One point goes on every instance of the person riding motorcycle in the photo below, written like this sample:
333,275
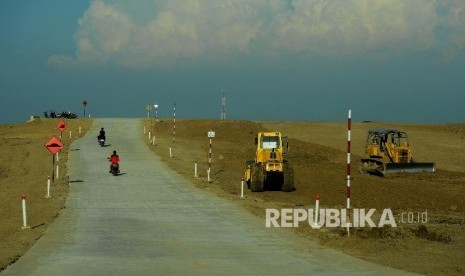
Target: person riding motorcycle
114,160
102,134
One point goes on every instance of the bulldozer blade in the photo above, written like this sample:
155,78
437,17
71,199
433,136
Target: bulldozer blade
390,168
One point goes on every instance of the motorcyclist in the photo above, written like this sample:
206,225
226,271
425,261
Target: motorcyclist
114,160
102,134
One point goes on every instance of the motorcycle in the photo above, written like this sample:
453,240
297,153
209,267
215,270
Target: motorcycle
114,169
101,141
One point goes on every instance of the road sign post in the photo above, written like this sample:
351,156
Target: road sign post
61,127
84,104
148,108
54,145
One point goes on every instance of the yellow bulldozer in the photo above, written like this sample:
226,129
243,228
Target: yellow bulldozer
388,151
269,170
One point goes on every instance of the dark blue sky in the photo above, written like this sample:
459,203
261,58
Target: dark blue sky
278,60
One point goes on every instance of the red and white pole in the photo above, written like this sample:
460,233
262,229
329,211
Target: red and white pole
349,126
174,122
210,155
23,200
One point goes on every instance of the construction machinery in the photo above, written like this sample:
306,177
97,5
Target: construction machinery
388,151
269,170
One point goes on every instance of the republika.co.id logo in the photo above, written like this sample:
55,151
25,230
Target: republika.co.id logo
332,218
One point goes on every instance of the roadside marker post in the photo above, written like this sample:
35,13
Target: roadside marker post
171,153
57,172
23,202
242,188
153,140
48,187
195,170
317,209
70,136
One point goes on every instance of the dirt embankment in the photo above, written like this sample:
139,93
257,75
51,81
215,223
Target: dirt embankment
319,159
25,165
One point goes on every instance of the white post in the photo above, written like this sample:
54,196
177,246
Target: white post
153,140
208,176
48,188
242,188
171,153
195,170
57,174
317,211
70,136
150,135
23,199
56,157
79,129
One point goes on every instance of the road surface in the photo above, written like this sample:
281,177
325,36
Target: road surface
151,221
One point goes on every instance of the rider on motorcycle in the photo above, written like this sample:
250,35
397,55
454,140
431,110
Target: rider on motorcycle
102,134
114,160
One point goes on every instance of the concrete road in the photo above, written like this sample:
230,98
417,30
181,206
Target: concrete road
151,221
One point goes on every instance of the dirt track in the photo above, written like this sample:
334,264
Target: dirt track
317,153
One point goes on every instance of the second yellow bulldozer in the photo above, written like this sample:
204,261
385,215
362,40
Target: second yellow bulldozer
269,170
388,151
